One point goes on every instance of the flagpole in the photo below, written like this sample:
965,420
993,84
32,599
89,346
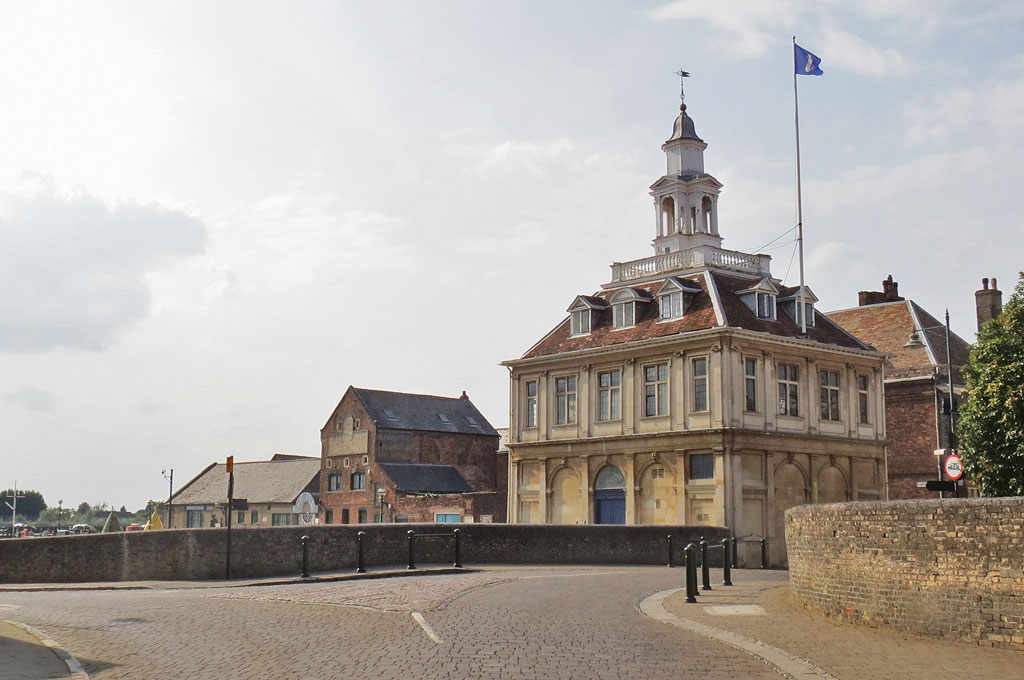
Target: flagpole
799,200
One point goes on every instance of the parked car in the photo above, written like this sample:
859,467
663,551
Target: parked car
83,529
133,527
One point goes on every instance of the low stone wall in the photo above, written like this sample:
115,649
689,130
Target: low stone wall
950,568
198,554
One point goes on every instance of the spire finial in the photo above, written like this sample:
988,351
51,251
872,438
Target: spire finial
682,95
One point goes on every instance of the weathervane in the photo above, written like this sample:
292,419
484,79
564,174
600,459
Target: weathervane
682,95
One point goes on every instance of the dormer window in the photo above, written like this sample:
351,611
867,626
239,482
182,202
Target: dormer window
760,298
624,315
791,305
624,307
580,324
674,297
584,313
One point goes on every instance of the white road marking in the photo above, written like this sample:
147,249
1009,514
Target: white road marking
731,609
426,627
9,607
785,663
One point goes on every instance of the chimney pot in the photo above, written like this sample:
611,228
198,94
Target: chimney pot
994,287
984,284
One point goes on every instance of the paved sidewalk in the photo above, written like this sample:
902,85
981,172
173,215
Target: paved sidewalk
25,656
760,607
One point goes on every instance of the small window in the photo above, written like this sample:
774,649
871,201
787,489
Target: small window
241,517
281,519
362,515
580,322
829,391
531,404
765,306
808,309
389,414
447,517
862,398
565,400
344,516
702,466
609,395
789,390
656,390
366,460
193,519
700,384
671,306
254,517
334,481
472,421
443,417
750,385
329,517
624,315
358,481
346,462
657,473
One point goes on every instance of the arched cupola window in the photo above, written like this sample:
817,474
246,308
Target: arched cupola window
627,307
584,313
674,297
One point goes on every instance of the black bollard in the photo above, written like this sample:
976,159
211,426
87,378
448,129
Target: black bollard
305,556
705,568
690,554
735,564
726,562
360,568
764,553
670,560
412,558
458,548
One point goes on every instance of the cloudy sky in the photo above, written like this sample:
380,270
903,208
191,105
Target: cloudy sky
216,216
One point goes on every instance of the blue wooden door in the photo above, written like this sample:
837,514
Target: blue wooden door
610,506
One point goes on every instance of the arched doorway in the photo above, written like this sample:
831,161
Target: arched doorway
790,491
610,496
565,498
831,485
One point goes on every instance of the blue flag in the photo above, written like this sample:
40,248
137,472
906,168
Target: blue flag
806,64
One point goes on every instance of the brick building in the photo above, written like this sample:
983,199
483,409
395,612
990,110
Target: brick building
685,390
397,457
916,380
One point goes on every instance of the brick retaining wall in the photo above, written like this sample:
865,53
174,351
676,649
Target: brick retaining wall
950,568
196,554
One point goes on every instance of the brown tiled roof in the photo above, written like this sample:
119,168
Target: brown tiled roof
700,315
887,326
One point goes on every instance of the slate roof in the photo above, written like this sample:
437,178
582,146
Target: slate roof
887,326
265,481
700,314
420,478
423,412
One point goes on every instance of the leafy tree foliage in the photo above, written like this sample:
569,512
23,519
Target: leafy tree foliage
29,507
991,426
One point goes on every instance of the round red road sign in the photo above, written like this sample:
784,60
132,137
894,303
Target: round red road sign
954,470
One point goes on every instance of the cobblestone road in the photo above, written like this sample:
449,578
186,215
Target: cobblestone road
515,623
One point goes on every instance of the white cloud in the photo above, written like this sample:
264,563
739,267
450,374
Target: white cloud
514,155
751,27
32,399
853,53
72,267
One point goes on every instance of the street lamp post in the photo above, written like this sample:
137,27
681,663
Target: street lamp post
170,492
914,340
60,510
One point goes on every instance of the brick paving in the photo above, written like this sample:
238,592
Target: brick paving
517,623
842,649
501,623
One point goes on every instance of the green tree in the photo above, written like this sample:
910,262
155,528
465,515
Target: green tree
29,507
991,426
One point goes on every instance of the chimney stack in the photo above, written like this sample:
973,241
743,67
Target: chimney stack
889,293
989,302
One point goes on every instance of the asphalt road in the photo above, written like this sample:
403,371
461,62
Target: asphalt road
508,623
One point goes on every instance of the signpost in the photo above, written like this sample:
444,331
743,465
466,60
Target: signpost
230,467
954,470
